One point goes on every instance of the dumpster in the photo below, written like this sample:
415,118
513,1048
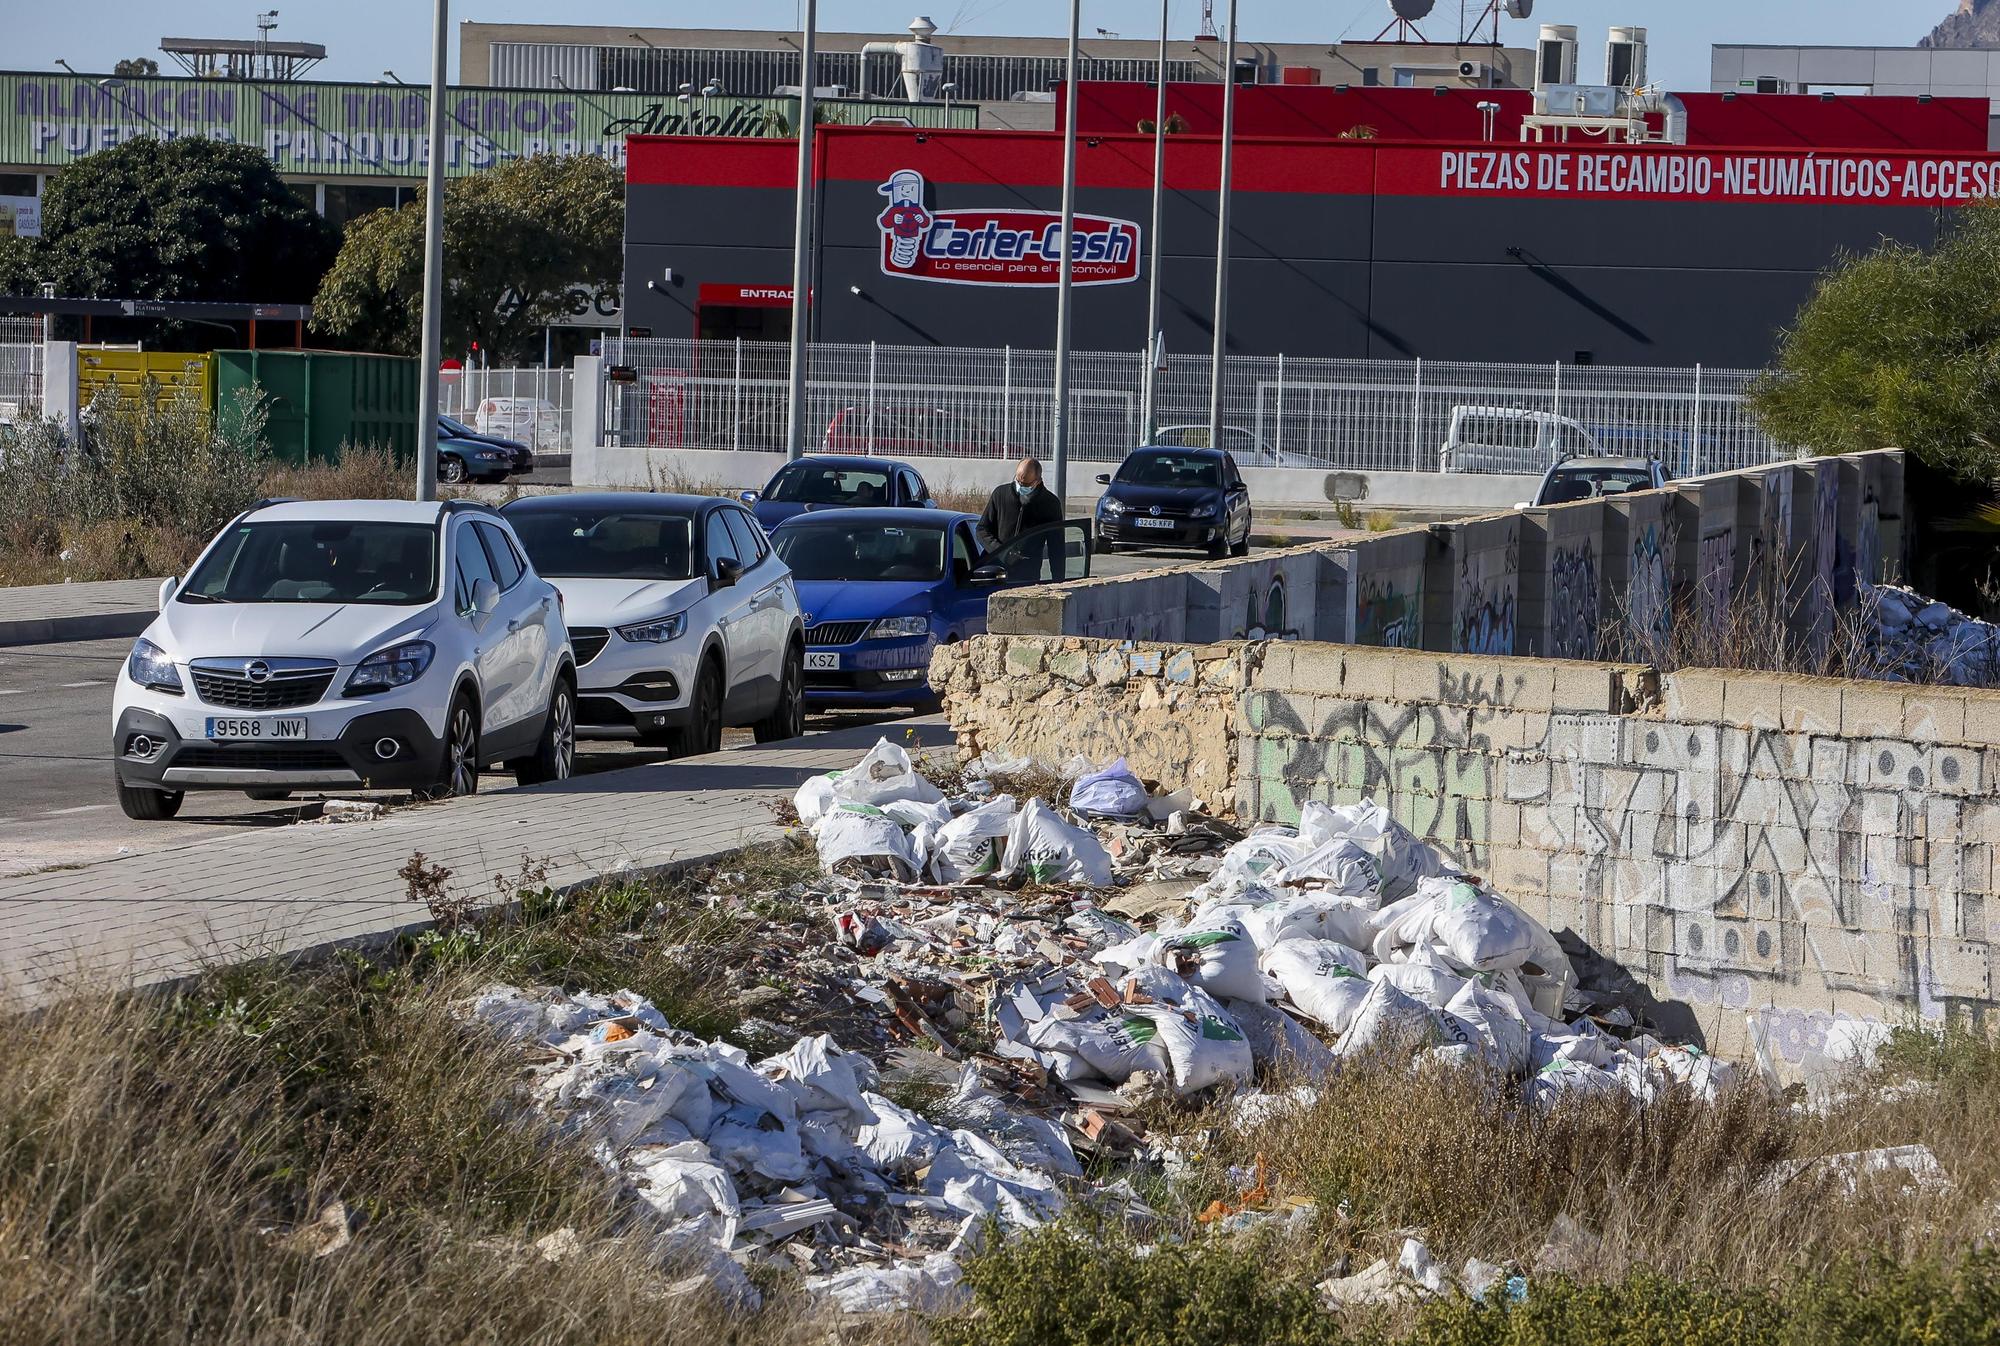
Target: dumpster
323,400
175,373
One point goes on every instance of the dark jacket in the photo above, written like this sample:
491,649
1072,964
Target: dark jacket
1007,516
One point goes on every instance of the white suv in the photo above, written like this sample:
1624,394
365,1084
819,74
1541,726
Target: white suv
684,618
377,644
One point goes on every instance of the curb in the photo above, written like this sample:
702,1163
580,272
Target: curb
88,626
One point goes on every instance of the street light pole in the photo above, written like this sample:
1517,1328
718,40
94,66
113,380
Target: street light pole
1215,368
432,346
1059,431
1150,412
795,407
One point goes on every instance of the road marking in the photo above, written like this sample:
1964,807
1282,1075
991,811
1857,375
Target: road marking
80,808
89,682
10,691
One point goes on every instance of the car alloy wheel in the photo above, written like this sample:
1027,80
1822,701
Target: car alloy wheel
450,470
562,734
461,754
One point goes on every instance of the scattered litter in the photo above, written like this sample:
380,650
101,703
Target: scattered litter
1111,793
1905,1165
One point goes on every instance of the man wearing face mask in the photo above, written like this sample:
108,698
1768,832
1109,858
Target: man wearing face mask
1020,506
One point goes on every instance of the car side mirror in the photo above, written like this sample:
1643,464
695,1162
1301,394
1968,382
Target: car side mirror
167,587
986,577
1104,479
485,598
749,497
727,572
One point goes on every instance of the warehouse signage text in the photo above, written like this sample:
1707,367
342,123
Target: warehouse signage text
1003,246
1668,174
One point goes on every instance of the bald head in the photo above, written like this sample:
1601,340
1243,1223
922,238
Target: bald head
1028,472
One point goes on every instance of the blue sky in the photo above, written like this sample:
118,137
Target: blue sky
365,36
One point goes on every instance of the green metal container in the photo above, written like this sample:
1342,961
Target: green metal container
322,401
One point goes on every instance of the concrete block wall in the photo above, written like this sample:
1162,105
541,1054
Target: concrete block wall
1767,853
1486,588
1386,588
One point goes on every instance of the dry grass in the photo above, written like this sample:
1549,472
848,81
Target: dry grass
1379,521
964,502
363,472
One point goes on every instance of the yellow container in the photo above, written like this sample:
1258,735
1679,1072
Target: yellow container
128,369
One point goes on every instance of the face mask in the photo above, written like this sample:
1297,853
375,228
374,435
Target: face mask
1023,491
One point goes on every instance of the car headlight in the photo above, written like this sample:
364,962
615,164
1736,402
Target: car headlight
888,628
1112,505
657,632
149,667
396,666
1202,512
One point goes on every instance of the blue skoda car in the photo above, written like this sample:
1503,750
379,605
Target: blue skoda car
880,588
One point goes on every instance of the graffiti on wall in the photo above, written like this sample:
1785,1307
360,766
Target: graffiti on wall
1649,589
1715,570
1573,593
1826,553
1387,615
1489,589
1266,620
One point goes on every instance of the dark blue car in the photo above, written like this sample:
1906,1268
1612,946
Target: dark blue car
880,588
836,481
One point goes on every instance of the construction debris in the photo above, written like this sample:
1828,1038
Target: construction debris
1918,639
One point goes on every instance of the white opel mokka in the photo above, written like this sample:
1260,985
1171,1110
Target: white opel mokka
684,619
369,644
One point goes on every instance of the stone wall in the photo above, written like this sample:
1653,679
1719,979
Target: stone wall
1767,853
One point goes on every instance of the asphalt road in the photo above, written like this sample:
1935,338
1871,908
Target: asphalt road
56,800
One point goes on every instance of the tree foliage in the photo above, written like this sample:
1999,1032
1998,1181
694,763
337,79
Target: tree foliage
1899,347
518,240
136,65
187,219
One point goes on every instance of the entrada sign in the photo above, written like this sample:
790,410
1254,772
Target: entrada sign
997,246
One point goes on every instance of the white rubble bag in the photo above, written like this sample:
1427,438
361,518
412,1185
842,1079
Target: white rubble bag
883,775
1493,1024
865,839
683,1182
970,846
1400,858
815,799
1042,848
1564,1079
1695,1068
1327,981
1256,856
1218,955
1313,916
1278,1040
1484,931
922,821
1422,975
1203,1044
1110,1045
1111,793
1341,865
1384,1015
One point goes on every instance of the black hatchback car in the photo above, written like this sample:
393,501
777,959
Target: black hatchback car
1169,497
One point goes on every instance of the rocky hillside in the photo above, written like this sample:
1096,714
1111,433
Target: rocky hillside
1976,24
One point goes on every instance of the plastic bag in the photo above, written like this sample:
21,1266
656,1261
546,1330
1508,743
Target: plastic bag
898,1142
1042,848
1103,1043
1312,917
1219,956
1385,1015
1266,850
1111,793
1423,975
815,799
823,1077
1563,1079
970,845
1401,859
1277,1039
683,1182
1203,1044
1483,930
1493,1024
865,842
1342,866
882,775
1327,981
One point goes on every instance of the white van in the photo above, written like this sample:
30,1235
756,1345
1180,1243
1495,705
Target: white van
1512,439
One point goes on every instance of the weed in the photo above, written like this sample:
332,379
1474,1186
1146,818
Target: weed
1346,513
1380,521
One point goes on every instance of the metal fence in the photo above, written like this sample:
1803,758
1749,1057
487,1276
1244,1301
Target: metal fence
533,405
20,369
1277,411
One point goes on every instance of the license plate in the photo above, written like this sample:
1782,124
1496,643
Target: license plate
290,726
1144,522
823,661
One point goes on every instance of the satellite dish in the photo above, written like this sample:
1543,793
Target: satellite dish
1411,10
1520,9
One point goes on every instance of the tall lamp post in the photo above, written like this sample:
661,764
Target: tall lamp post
1155,340
1059,430
432,345
795,403
1215,368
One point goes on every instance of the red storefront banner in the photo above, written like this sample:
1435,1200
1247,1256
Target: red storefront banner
1663,173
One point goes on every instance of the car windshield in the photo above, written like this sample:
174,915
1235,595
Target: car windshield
1581,483
452,427
606,544
810,483
1171,469
319,561
831,551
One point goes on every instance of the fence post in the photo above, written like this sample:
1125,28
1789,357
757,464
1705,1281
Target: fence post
1559,388
1006,398
736,400
1417,420
871,397
1278,446
1696,469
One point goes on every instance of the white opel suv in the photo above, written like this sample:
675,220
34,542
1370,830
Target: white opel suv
684,618
372,644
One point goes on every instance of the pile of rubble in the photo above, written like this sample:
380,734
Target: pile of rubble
991,965
1917,639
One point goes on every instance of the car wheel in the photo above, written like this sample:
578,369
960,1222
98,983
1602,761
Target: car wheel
451,470
703,731
1104,546
1241,548
1219,548
555,755
149,806
458,772
788,718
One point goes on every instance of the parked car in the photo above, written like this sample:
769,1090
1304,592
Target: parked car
378,644
531,418
1247,446
831,481
464,454
1511,439
915,428
683,619
1583,478
1162,497
882,587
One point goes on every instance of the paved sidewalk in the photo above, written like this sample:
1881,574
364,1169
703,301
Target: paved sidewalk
32,614
151,918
